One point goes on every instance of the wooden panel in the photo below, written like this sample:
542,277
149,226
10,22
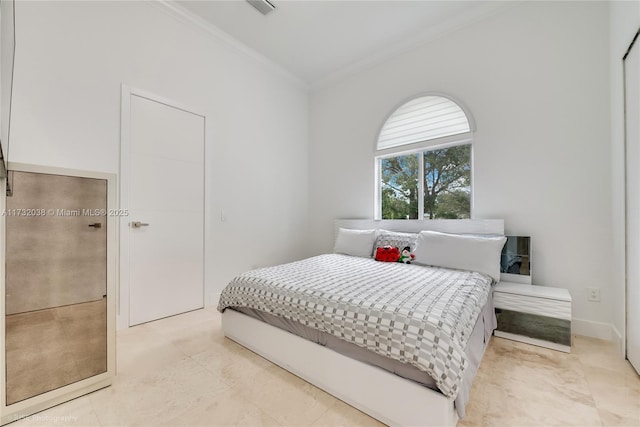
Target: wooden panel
54,257
29,340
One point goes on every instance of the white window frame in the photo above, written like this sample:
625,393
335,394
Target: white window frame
420,147
423,146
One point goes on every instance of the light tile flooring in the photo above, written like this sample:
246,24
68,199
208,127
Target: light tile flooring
181,371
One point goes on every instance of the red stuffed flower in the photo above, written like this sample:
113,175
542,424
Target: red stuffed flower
387,254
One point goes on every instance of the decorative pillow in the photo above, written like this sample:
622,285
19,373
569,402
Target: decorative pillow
473,253
355,242
387,254
399,240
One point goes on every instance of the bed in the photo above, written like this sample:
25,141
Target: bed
387,343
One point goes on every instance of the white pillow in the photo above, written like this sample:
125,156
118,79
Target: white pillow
473,253
355,242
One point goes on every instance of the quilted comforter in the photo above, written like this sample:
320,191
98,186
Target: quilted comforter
414,314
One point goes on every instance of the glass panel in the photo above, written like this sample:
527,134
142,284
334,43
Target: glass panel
447,186
534,326
56,276
400,187
515,257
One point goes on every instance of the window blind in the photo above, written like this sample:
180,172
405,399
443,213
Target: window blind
423,119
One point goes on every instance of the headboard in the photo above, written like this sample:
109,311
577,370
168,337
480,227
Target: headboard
456,226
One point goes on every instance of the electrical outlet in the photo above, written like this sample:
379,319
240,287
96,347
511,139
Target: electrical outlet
593,294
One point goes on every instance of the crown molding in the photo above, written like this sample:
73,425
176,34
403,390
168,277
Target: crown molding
187,17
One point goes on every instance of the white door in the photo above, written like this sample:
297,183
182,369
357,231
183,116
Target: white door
166,210
632,120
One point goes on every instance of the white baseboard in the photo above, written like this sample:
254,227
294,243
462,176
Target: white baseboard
590,328
600,330
617,338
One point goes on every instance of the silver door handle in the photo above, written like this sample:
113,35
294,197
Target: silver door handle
138,224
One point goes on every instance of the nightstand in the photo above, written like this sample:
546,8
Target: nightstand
538,315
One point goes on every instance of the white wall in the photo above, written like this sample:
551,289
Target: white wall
6,61
536,78
71,59
624,22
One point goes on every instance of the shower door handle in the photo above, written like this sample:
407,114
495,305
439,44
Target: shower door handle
138,224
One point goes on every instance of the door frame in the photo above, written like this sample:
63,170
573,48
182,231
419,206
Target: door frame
626,301
124,285
71,391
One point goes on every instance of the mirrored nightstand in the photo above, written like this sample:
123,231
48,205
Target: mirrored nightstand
538,315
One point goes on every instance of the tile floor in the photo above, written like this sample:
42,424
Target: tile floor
181,371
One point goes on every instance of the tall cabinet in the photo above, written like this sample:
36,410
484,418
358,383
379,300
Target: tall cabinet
58,299
58,248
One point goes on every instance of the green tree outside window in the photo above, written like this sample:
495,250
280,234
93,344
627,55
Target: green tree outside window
447,184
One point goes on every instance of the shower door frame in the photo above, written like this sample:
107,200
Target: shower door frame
65,393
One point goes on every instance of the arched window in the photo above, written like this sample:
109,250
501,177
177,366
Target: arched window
423,160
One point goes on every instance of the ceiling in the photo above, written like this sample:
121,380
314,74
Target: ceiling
318,40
